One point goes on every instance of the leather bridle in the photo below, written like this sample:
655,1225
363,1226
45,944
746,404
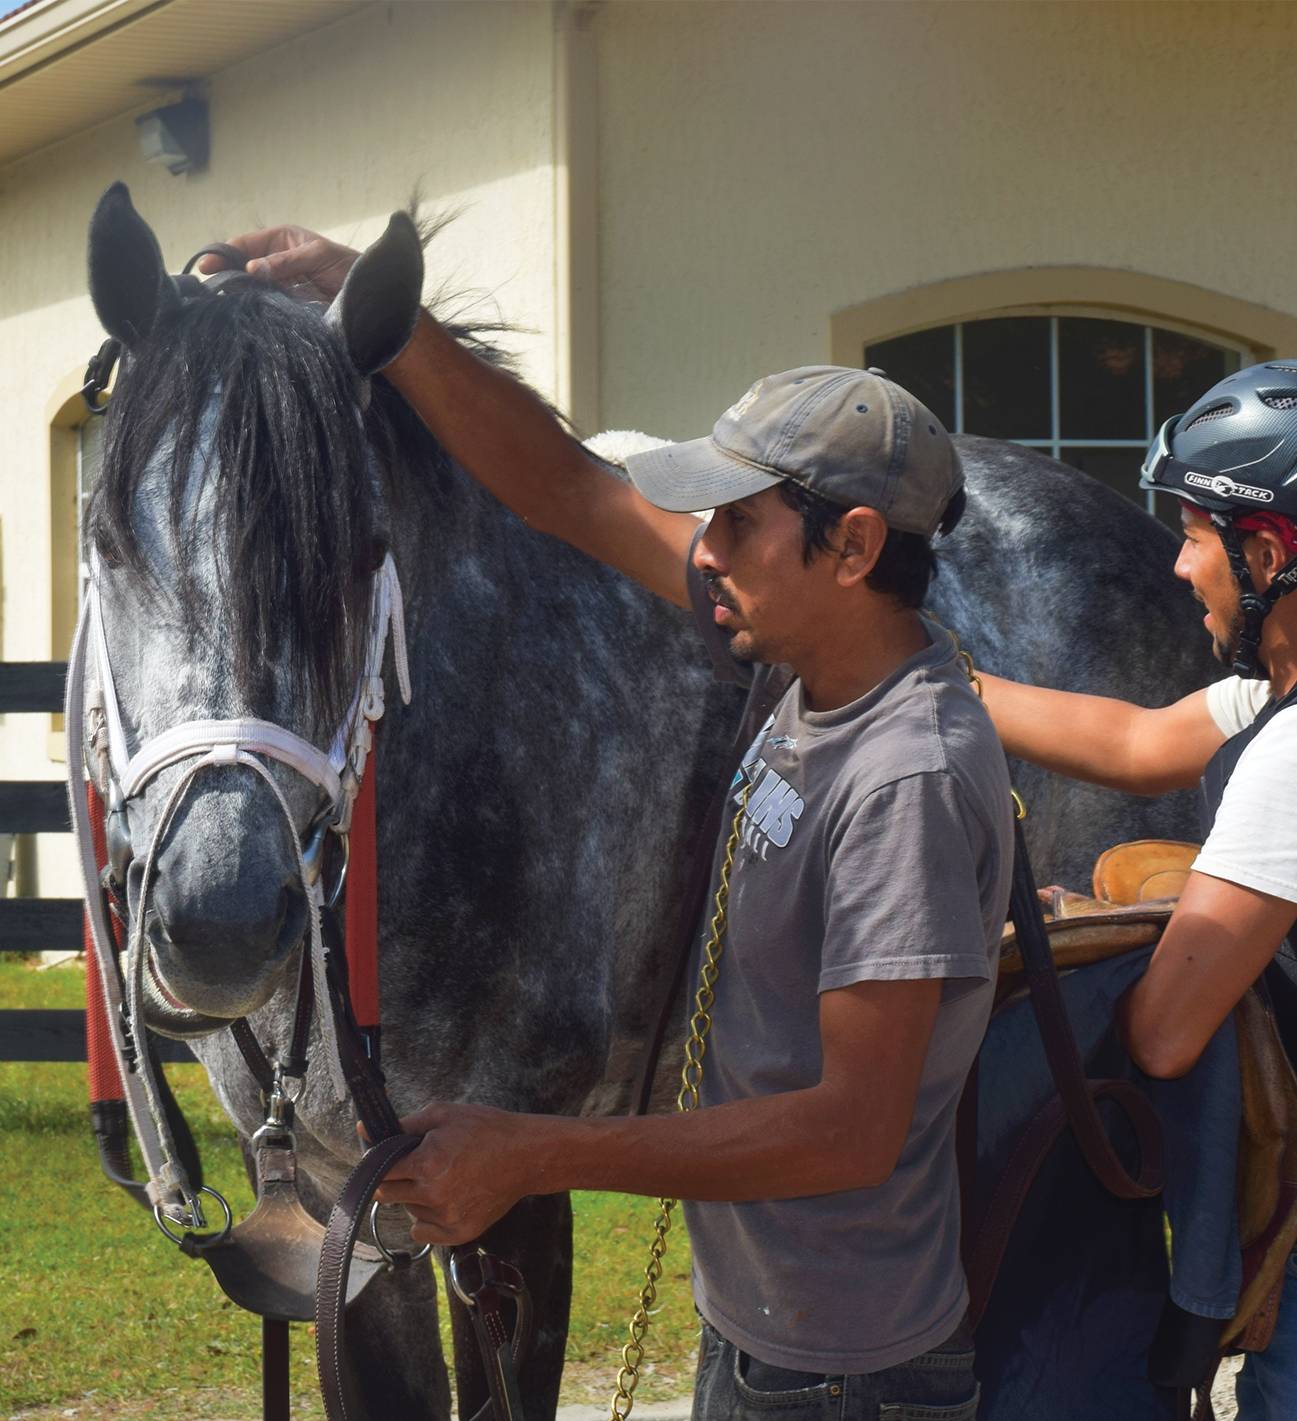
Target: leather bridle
197,745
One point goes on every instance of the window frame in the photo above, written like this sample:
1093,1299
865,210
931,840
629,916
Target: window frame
1055,444
65,415
1107,293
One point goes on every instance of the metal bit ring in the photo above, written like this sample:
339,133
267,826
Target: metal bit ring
392,1260
205,1240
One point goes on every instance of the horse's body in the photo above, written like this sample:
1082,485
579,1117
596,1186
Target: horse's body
1054,579
562,739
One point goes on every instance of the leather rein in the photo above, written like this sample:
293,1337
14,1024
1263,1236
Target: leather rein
337,985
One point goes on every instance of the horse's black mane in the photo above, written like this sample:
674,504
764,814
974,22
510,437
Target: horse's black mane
256,385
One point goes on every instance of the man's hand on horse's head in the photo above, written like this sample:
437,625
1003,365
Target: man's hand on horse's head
291,257
470,1170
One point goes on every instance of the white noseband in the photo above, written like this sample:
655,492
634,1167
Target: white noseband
337,774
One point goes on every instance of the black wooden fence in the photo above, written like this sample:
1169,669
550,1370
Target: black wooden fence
42,924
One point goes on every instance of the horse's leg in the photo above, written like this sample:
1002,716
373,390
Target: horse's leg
536,1237
394,1347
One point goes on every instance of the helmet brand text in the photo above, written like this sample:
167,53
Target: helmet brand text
1225,487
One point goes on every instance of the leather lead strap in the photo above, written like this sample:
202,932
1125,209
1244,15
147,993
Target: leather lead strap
364,1079
1078,1094
500,1357
109,1118
336,1383
105,1078
253,1056
1075,1104
361,912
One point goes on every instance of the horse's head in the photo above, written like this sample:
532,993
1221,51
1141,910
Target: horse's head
236,531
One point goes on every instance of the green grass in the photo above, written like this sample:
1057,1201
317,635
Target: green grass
99,1312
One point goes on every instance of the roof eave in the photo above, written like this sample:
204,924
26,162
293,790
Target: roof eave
42,31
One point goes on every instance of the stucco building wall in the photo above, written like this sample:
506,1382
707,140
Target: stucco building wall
671,196
763,166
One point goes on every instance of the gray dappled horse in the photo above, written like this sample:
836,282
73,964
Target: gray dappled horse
563,736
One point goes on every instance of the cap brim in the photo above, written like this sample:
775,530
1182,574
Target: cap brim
688,477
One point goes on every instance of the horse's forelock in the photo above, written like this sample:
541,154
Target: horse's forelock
249,392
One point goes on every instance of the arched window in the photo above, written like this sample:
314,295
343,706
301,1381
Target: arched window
90,458
1089,390
75,456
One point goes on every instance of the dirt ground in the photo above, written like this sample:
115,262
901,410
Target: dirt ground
242,1406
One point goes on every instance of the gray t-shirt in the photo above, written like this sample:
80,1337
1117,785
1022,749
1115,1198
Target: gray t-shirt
878,846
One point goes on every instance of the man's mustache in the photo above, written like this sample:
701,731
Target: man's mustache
717,592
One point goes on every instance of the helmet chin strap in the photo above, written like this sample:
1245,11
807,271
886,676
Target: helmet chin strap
1255,606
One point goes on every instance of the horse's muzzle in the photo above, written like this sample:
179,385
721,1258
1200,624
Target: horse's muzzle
217,962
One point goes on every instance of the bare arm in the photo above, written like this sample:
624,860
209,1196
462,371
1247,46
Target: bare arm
494,427
475,1163
1108,742
1218,942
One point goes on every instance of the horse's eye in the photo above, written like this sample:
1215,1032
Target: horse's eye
377,552
109,554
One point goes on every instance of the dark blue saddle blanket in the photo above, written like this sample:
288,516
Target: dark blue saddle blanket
1087,1280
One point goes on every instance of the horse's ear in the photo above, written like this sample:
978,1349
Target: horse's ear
378,305
128,279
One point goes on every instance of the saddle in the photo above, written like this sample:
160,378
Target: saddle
1135,887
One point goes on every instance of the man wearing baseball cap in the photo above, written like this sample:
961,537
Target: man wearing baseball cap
872,849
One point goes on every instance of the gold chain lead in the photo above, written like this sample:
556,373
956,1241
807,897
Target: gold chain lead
691,1079
975,681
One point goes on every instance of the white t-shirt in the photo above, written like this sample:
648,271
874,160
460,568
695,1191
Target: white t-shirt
1253,841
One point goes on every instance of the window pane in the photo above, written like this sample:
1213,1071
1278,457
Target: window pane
90,457
924,364
1183,369
91,436
1006,377
1101,373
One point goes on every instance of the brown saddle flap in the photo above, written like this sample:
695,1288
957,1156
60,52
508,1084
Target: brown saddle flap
1267,1173
1143,870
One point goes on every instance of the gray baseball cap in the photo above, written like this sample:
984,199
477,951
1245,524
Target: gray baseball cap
851,436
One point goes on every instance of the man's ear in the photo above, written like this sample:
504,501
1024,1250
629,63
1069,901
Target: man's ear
1270,555
860,535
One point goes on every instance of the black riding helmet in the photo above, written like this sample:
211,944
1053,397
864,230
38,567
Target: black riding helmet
1232,453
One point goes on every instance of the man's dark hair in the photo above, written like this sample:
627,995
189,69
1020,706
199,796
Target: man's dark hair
907,563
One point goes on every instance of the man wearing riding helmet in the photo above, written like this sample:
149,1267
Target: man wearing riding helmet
1231,460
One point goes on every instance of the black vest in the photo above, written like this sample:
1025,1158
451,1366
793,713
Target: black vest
1278,982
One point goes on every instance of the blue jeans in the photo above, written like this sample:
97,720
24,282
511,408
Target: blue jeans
937,1386
1267,1386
